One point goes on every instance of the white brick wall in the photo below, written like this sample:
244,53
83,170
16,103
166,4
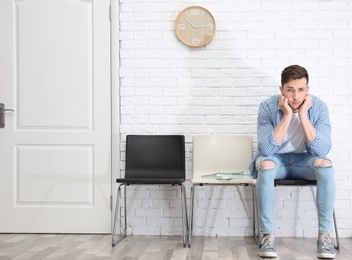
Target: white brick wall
168,88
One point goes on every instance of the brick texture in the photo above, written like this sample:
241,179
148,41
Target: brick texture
166,87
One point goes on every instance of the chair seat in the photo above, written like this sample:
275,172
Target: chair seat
295,182
149,181
224,182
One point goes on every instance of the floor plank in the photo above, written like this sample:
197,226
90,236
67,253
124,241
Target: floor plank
98,247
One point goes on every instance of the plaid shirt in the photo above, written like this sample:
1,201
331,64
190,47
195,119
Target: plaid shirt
270,115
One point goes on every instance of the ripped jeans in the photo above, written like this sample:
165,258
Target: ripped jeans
295,166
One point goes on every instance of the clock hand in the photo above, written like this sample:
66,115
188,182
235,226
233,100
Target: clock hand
193,25
207,26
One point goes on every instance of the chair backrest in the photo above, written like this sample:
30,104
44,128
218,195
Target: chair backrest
221,153
155,157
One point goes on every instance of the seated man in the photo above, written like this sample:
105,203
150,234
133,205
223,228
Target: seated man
293,142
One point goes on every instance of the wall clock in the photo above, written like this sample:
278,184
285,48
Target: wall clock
195,26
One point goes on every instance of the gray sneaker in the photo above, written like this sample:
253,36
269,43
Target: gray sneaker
268,247
325,248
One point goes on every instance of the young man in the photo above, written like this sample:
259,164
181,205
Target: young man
293,141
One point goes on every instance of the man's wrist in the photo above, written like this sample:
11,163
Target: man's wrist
302,114
287,116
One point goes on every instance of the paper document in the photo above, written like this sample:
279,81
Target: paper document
227,176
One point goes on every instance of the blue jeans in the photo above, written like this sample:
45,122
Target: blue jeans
295,166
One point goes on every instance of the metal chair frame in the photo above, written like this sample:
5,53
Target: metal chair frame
255,232
123,226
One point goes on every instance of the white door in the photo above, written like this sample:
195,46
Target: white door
55,148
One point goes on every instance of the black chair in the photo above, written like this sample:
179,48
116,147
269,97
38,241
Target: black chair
307,183
152,160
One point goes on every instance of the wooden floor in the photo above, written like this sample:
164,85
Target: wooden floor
66,247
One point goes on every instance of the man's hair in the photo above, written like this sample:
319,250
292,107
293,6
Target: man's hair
293,72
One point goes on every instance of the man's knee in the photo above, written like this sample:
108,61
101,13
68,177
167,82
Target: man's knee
322,163
267,165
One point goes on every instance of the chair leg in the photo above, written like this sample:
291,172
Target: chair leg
117,218
336,232
185,228
255,216
191,216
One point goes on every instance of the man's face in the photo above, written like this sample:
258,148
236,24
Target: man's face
295,91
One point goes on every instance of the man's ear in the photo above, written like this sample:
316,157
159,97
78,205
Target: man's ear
308,88
281,89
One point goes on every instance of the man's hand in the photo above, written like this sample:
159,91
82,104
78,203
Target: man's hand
281,129
309,131
307,103
285,107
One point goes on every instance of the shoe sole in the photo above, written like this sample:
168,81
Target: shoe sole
268,254
326,256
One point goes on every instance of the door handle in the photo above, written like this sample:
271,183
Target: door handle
2,114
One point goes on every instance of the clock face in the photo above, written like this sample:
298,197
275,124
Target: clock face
195,26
